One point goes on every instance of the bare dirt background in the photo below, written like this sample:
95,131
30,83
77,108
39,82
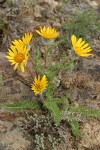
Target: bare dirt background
83,86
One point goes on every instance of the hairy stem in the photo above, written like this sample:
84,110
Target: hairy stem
30,72
45,60
31,60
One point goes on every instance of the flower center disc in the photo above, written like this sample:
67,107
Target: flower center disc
19,57
38,87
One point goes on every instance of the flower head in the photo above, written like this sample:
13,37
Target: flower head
39,84
26,38
17,42
80,47
48,32
18,54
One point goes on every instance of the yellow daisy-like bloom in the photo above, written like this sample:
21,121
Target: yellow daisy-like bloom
18,55
17,42
48,32
80,47
26,38
39,84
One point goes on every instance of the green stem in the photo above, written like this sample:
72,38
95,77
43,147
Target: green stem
32,65
31,60
30,72
45,60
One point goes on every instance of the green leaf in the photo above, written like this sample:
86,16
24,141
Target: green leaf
67,66
75,127
53,107
85,111
19,106
51,72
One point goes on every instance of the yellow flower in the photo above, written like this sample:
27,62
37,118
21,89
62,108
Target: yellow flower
39,85
17,42
26,38
48,33
80,47
18,55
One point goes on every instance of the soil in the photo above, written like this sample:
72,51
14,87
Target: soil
83,85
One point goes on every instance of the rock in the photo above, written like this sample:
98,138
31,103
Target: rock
92,67
13,87
91,138
12,139
14,90
6,70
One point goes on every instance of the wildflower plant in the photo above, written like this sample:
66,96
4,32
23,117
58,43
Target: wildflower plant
18,54
43,83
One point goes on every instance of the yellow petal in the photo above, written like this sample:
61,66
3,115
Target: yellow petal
9,57
11,60
16,65
73,39
38,32
82,43
13,63
43,79
22,67
85,45
87,50
13,48
11,53
86,55
79,42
